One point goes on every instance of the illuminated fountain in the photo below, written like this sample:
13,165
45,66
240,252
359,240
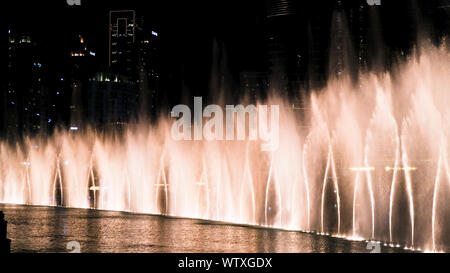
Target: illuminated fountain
373,165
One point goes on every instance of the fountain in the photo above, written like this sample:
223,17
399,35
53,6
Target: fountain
372,166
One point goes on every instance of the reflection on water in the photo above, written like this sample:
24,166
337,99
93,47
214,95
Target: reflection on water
49,229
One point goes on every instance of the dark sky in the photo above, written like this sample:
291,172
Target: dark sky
187,30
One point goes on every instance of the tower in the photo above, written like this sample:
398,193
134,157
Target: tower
122,27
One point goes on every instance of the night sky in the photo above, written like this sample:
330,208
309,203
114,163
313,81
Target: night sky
188,31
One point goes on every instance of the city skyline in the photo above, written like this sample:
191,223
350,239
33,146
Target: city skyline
277,45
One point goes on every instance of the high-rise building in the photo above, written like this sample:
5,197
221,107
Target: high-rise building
26,91
287,47
112,101
318,28
148,66
298,40
308,42
134,53
81,70
122,30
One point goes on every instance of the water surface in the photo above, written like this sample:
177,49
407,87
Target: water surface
50,229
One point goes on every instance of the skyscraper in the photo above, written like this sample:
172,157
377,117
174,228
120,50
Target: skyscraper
82,68
134,54
286,45
298,42
26,94
112,101
122,26
148,66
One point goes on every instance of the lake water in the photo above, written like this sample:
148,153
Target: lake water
50,229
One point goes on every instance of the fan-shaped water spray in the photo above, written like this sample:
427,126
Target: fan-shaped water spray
372,165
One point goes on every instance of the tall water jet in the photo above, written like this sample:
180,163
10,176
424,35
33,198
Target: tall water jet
373,164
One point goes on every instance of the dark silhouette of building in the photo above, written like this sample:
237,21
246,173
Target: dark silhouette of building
25,99
134,56
122,38
287,46
113,101
309,42
147,50
82,67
